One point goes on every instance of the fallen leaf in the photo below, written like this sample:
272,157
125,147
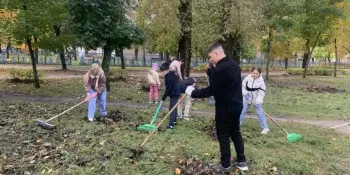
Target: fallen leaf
50,170
46,157
8,167
30,158
38,141
43,153
102,142
274,169
27,173
334,139
206,154
47,144
32,161
189,161
26,141
177,171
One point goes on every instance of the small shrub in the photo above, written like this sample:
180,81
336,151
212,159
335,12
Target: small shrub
202,67
323,72
23,75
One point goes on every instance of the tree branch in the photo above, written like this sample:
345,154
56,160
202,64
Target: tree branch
346,49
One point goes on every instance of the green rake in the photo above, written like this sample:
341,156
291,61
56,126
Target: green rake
291,137
150,127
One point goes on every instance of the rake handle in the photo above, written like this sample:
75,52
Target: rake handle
270,118
177,104
65,111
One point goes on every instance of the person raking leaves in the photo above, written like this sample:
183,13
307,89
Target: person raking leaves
171,90
95,83
227,89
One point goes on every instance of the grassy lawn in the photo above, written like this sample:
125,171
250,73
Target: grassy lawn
79,147
285,97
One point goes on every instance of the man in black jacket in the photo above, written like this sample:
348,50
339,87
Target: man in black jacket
227,90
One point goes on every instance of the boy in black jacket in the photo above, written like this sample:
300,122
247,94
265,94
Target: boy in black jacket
171,90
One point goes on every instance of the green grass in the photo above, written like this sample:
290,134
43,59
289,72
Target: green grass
285,96
108,145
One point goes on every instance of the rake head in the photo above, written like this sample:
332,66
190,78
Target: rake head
294,137
146,127
45,125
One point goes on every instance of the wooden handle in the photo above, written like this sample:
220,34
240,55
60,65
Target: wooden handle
177,104
65,111
270,118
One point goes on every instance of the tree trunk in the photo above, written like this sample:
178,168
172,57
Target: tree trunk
122,58
161,56
269,40
231,42
86,52
75,52
285,63
8,48
167,56
185,39
305,57
36,51
35,72
136,52
57,28
336,57
144,56
107,54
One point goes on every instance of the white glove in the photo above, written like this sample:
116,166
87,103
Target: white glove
189,90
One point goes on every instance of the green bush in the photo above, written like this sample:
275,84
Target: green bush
202,67
23,74
118,73
324,72
311,71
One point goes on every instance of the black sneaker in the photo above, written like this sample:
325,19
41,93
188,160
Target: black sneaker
243,166
220,169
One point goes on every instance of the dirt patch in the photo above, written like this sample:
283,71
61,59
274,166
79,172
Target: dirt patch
211,130
111,118
194,166
323,89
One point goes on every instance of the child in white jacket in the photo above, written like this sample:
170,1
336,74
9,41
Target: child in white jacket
253,89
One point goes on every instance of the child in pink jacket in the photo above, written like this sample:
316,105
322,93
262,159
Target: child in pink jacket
154,83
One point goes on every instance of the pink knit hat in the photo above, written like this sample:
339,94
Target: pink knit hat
155,66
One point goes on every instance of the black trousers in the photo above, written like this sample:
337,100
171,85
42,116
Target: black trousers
173,115
227,126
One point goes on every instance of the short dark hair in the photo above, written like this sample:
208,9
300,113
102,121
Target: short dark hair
164,66
256,68
213,46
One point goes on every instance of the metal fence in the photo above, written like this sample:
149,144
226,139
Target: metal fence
54,59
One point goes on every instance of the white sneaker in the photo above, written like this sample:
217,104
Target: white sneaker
265,131
150,102
186,118
91,119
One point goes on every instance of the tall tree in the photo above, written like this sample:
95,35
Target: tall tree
30,24
99,23
185,41
313,22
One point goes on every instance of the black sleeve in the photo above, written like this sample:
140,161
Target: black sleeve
218,79
167,89
202,93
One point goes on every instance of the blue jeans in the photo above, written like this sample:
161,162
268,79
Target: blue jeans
101,98
173,115
261,115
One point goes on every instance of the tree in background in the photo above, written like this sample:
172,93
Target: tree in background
312,22
100,23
